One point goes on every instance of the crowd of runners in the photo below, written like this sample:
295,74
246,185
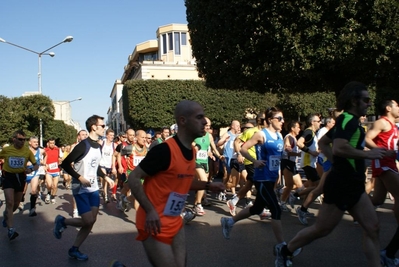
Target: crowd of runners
268,164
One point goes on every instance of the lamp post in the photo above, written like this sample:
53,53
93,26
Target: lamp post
65,103
41,127
51,54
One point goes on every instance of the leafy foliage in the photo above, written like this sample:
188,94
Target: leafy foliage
25,113
300,45
150,103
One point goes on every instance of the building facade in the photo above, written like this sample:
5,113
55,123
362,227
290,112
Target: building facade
167,57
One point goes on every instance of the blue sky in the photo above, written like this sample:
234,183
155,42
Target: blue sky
105,34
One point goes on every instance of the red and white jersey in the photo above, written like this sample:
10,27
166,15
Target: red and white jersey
52,159
388,140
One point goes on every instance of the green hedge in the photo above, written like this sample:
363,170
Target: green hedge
151,102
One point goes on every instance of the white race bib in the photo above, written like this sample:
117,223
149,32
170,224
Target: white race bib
274,162
175,204
137,160
53,166
201,154
16,162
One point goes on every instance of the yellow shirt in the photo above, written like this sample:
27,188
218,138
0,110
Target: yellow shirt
15,160
246,135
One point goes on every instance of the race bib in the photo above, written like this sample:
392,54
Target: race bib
274,162
137,160
16,162
92,179
53,166
202,154
175,204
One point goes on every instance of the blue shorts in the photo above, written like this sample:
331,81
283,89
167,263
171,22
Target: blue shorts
85,201
227,164
54,174
326,164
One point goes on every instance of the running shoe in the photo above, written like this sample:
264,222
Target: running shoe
248,203
188,215
12,234
32,212
309,214
59,226
199,210
106,199
265,214
5,218
232,208
116,263
291,200
21,206
53,201
281,260
206,203
388,262
74,253
222,196
284,207
302,216
47,200
226,227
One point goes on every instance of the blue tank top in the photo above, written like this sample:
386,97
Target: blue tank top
37,157
229,147
270,151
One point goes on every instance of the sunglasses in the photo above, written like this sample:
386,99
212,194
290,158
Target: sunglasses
102,125
366,100
279,118
21,139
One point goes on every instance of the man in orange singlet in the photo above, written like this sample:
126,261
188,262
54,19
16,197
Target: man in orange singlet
168,171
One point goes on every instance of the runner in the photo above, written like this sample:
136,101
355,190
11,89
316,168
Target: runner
168,171
14,172
344,186
85,158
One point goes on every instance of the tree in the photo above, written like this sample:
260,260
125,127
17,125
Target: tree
298,45
25,113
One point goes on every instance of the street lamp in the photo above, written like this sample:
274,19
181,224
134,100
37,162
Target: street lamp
51,54
65,103
41,127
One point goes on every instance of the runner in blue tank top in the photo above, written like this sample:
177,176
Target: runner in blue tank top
269,148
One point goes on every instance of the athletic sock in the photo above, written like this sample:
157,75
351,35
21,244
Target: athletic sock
33,199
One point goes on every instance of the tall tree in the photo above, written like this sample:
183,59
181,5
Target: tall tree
303,45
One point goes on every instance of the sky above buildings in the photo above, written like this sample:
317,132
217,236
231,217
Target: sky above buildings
104,34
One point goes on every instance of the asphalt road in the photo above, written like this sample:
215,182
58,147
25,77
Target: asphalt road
113,237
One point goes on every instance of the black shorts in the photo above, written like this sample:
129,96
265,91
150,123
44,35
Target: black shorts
250,172
234,164
343,190
15,181
311,173
204,166
289,165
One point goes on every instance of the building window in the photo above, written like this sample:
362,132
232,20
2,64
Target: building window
177,43
164,49
183,38
170,37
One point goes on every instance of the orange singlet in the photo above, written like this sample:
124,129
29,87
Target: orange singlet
167,191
